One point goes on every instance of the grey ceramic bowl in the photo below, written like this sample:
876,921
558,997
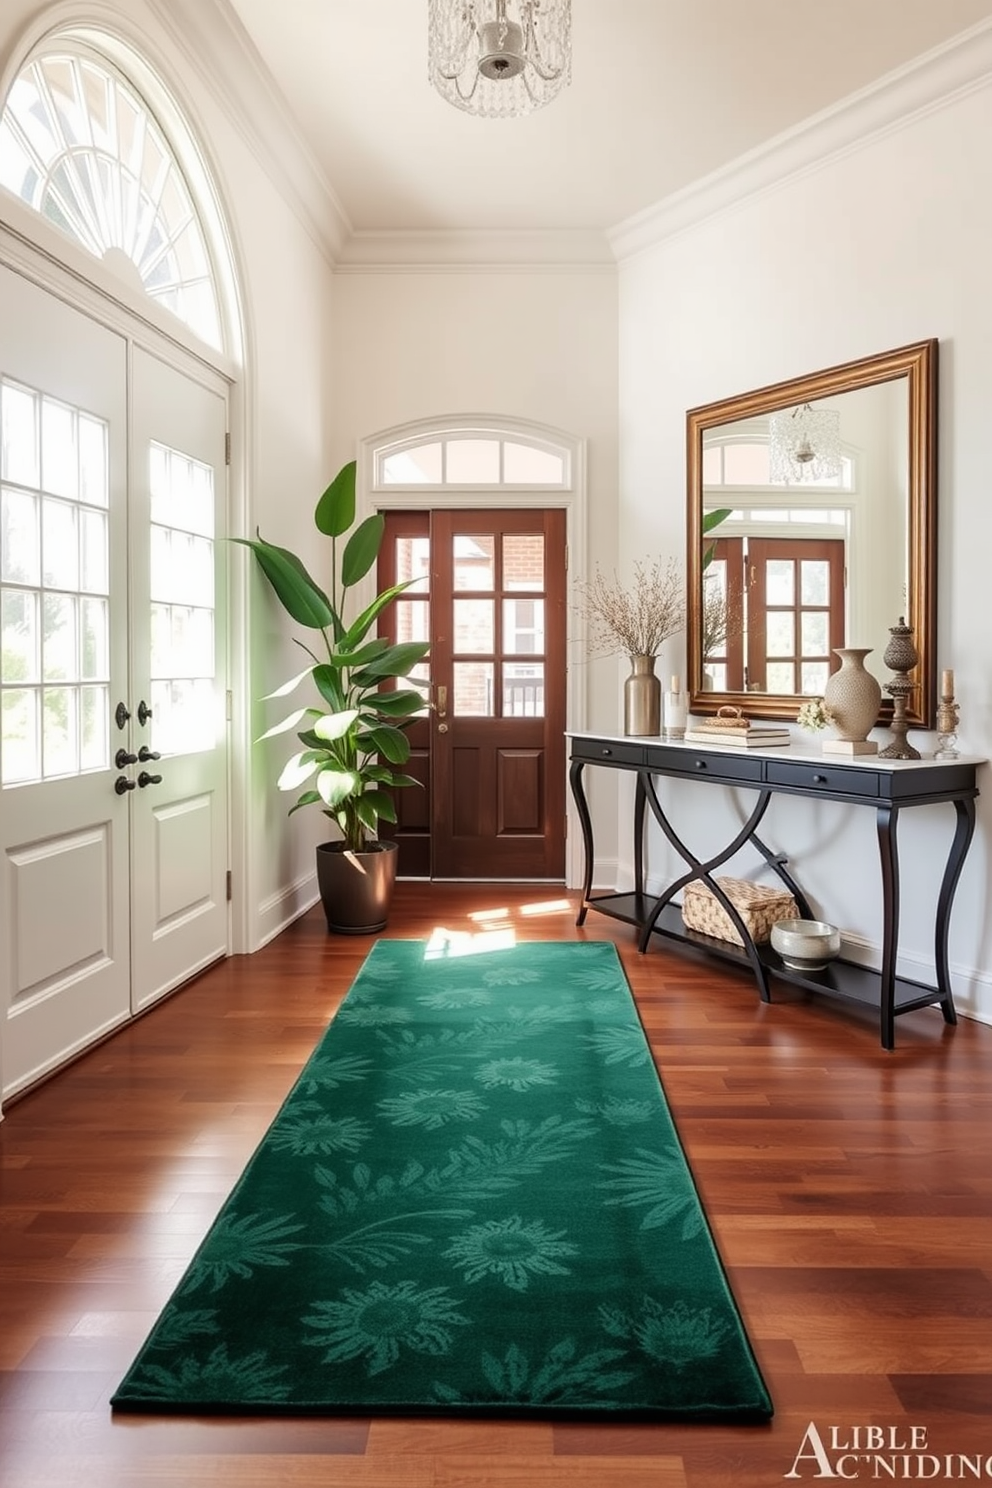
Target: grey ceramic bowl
805,945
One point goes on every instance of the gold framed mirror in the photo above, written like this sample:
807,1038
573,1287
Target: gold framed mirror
811,524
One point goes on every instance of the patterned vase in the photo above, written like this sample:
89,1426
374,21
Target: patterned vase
642,698
852,694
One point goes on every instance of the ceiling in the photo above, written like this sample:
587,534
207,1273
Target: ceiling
663,92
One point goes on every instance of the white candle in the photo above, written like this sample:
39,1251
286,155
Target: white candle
676,685
947,683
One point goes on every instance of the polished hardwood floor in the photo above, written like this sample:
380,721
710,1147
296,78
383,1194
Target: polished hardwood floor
849,1191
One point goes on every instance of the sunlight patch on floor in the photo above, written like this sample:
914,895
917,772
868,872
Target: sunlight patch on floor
467,943
493,929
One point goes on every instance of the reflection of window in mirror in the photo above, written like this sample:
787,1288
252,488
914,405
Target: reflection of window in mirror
774,580
844,457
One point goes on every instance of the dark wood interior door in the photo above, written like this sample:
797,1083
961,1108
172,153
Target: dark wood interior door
491,590
795,612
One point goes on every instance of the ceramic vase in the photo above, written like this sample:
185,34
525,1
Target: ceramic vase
642,698
853,695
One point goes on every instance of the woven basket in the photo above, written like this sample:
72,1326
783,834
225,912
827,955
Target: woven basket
759,906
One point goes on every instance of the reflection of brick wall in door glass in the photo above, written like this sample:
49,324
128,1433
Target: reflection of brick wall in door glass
413,611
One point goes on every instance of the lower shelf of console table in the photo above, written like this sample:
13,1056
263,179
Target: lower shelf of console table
890,787
846,979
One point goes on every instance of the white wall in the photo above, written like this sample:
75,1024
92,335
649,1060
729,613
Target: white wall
889,243
533,344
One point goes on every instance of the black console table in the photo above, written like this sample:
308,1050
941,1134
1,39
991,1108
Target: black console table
888,785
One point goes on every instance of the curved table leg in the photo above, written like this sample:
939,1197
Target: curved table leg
703,870
886,818
585,822
963,833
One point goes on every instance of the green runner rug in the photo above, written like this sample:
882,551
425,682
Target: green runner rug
473,1202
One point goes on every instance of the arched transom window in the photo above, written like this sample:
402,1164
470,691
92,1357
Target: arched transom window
471,457
79,145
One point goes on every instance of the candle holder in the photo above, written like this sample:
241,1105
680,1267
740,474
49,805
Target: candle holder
947,726
900,656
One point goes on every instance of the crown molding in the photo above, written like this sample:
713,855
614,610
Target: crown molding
928,83
215,46
447,252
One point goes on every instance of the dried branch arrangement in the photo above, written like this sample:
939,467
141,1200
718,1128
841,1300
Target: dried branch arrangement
634,619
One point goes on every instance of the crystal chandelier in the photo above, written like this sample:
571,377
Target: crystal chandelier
804,445
499,58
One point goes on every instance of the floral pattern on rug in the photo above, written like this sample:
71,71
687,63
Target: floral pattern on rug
473,1201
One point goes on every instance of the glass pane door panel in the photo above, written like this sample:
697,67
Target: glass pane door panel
183,652
814,582
20,657
474,689
59,545
93,485
59,459
474,565
474,625
20,551
523,561
94,617
816,633
413,620
93,549
54,589
413,561
523,690
523,627
780,639
814,677
60,737
21,735
780,578
780,677
59,641
20,445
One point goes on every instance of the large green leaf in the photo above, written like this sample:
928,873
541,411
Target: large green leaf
335,510
362,549
289,723
308,798
336,786
359,627
390,742
302,599
399,704
379,803
345,656
396,662
335,725
714,518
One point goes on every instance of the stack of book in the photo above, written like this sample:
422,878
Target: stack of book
737,730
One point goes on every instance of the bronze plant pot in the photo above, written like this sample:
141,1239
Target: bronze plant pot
356,888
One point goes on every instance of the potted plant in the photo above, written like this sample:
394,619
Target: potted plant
354,740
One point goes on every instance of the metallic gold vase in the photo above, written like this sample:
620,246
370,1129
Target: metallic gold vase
642,698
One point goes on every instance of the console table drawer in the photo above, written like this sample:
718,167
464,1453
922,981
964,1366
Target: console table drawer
608,751
717,767
831,779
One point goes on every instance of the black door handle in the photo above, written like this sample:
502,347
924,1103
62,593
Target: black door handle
122,785
122,759
145,754
144,712
145,779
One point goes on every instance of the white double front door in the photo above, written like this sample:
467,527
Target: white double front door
113,745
